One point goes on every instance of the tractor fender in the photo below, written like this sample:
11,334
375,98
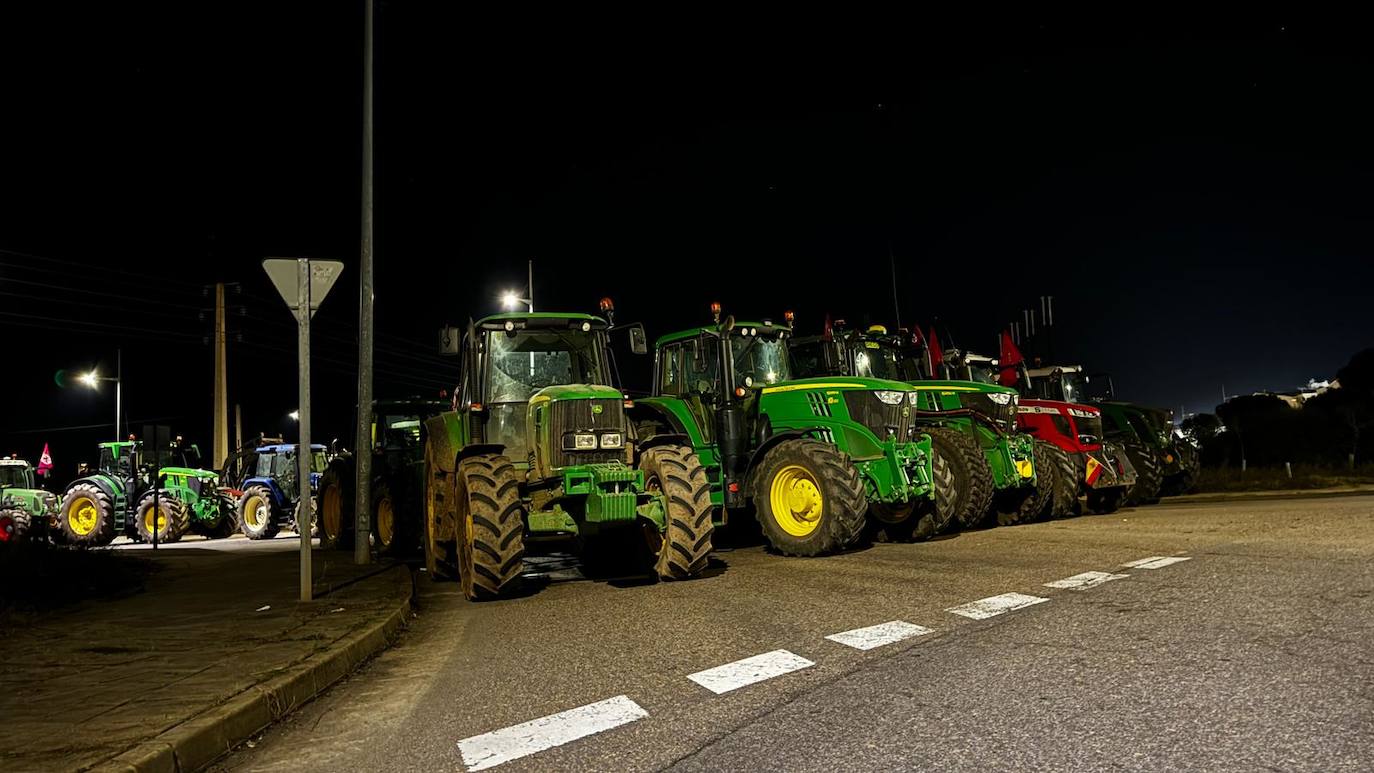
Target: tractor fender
271,486
99,481
654,412
477,449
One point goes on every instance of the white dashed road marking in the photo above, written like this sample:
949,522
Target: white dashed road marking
742,673
511,743
1156,562
877,635
1085,580
993,606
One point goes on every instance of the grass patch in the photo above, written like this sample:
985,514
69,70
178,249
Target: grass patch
36,577
1305,476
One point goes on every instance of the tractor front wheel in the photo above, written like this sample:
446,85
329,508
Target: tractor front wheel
257,515
1066,481
391,532
169,520
1148,474
810,498
1038,501
86,517
682,550
490,525
14,524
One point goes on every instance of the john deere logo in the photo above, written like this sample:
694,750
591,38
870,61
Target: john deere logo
596,409
906,411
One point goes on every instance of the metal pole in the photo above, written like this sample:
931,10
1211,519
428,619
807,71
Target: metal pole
221,439
303,454
119,392
892,262
531,287
362,502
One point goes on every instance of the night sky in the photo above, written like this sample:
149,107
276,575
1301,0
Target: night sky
1194,195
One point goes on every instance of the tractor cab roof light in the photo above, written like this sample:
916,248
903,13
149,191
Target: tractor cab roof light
715,311
789,317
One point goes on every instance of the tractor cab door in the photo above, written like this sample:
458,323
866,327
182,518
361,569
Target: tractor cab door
283,471
698,366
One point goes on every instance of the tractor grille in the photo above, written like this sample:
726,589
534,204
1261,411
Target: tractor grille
580,416
885,421
1003,415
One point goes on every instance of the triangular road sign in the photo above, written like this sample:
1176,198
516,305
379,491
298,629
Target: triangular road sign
285,274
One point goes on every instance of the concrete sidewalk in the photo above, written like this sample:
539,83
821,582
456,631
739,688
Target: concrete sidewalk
1271,494
215,649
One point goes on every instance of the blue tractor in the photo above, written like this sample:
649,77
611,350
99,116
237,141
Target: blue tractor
270,493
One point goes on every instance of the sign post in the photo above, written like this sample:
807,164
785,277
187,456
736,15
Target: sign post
303,284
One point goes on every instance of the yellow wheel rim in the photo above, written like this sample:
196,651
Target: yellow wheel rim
154,520
385,521
251,512
83,516
796,500
333,511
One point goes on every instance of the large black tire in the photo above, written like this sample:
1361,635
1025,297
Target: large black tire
1066,484
491,526
439,515
1147,471
14,524
821,489
225,526
83,527
923,519
392,533
1183,481
682,550
336,505
976,484
1103,501
1035,505
257,515
173,519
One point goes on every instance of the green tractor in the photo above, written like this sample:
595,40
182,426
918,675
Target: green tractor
817,458
972,421
26,511
118,499
398,462
537,447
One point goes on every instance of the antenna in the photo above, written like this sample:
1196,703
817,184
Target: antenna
892,261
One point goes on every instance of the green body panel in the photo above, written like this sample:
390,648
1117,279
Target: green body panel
1150,425
39,504
205,506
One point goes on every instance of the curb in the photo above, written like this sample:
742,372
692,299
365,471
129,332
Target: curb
197,742
1278,495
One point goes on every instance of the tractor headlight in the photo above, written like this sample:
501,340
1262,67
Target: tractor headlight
612,440
913,397
580,441
1001,398
890,397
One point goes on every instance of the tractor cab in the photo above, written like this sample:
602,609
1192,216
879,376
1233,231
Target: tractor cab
1065,383
873,353
15,473
276,466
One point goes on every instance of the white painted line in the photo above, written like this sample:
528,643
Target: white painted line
1085,580
993,606
511,743
1156,562
877,635
742,673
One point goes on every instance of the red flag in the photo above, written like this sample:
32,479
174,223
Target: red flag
1008,362
826,332
45,462
937,355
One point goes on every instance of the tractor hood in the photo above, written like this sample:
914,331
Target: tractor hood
837,383
34,500
961,386
576,392
190,473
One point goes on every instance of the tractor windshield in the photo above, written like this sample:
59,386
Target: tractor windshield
520,364
1074,387
984,372
317,462
874,359
760,360
15,476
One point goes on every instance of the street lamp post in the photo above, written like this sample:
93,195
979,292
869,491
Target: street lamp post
93,380
510,298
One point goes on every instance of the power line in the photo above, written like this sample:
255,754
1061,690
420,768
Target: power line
102,293
60,322
89,267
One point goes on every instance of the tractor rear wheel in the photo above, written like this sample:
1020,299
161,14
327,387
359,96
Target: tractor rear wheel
968,489
257,515
224,526
336,506
682,550
1066,477
439,531
982,489
391,532
1105,501
86,516
491,526
810,499
923,519
1147,472
1034,505
170,520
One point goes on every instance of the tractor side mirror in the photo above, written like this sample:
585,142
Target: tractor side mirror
639,342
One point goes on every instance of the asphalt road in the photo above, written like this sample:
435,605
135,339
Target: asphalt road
1256,652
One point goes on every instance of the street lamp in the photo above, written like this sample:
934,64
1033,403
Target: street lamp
510,299
295,415
93,380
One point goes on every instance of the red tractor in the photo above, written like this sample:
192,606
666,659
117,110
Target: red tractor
1104,473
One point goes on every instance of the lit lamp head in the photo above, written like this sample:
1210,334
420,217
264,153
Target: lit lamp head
510,299
91,379
715,312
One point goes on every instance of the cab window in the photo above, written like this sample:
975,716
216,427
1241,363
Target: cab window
670,370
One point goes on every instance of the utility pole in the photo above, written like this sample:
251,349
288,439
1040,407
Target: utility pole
221,439
531,286
892,262
303,454
238,426
362,502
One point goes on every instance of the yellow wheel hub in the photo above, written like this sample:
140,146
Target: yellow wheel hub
386,521
154,520
252,513
796,500
84,516
333,512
